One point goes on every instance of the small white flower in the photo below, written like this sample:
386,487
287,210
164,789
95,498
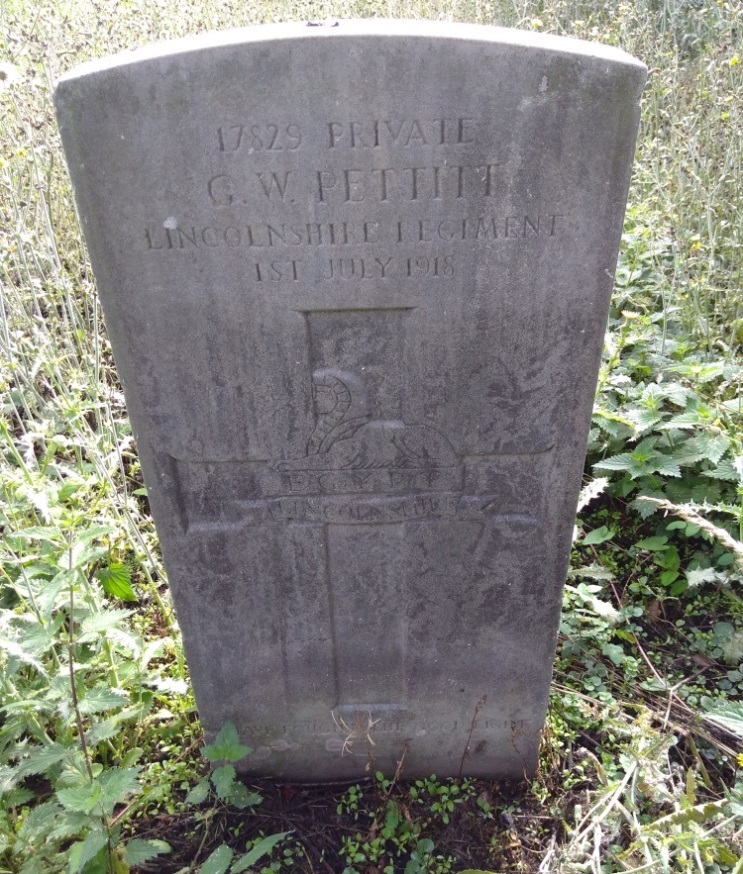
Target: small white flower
8,74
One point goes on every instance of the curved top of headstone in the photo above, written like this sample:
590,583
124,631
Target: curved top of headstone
387,28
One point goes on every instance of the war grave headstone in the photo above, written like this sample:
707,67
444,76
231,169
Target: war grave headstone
356,280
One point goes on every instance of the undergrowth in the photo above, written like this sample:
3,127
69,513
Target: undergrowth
100,765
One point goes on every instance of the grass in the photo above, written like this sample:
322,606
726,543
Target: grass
100,765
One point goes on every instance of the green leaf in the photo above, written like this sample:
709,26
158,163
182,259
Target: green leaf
218,862
199,792
645,419
67,491
614,652
81,798
223,779
241,798
40,759
652,543
226,746
18,797
598,535
16,651
729,716
37,825
101,698
83,851
96,624
623,461
103,730
666,465
69,824
258,851
725,470
138,851
116,580
117,785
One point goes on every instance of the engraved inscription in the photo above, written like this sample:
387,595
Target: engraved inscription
406,184
267,137
416,171
315,235
386,133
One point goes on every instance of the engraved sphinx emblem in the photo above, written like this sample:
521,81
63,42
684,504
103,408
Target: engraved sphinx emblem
346,437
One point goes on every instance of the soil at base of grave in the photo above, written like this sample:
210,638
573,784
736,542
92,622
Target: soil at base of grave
514,839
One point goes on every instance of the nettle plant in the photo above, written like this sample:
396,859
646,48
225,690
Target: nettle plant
667,431
78,682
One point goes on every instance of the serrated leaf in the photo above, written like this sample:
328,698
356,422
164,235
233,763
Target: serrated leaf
705,493
82,852
16,651
241,798
40,759
683,421
102,698
218,862
715,445
644,507
199,792
729,716
116,580
676,393
261,849
725,470
168,684
591,491
69,824
37,532
96,624
39,639
80,798
666,465
645,419
622,461
223,779
138,851
117,785
226,746
700,576
18,797
103,730
38,824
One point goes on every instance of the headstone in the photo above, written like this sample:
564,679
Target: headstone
356,280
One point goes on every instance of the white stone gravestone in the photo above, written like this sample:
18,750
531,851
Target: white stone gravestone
356,280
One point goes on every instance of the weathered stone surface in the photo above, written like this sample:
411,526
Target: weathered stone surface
356,280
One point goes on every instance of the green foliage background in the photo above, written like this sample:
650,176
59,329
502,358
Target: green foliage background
98,736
